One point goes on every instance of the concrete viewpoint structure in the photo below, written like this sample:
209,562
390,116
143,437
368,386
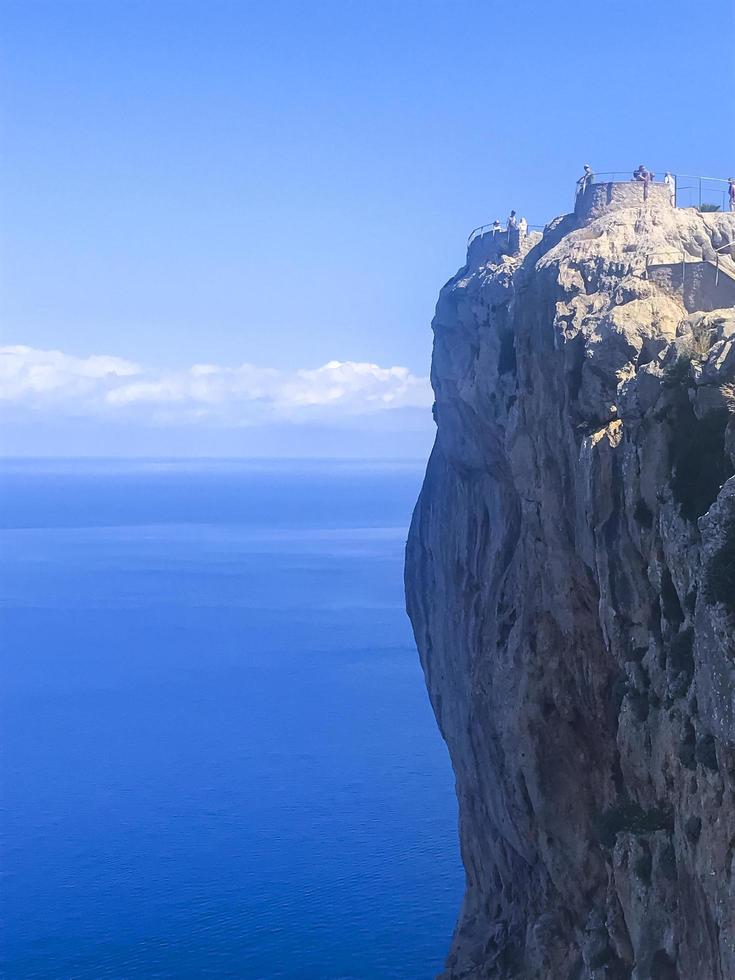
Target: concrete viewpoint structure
612,195
597,198
705,282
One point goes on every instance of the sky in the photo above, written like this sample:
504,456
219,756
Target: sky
225,224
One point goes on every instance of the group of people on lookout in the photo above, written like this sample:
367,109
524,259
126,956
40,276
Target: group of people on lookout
645,176
514,223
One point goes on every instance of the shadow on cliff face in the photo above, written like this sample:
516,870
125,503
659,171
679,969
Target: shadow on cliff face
719,577
700,463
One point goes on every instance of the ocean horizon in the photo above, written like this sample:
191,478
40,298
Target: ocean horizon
220,759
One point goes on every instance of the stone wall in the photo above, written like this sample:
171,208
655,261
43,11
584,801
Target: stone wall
491,247
488,248
599,199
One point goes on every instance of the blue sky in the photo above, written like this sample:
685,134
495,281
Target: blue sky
289,184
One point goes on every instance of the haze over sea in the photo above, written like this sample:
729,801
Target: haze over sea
220,759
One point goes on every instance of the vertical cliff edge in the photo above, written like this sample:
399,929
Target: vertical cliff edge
570,577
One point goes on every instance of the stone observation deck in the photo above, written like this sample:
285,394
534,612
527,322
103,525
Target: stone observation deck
486,245
704,278
489,244
601,198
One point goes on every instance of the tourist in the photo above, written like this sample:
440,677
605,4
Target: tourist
585,180
497,227
523,227
512,220
670,182
731,192
645,176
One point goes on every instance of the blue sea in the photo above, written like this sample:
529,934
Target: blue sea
219,759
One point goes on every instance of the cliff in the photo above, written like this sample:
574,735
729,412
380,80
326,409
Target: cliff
570,578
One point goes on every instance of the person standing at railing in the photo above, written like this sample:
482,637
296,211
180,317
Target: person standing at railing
514,235
644,175
670,182
497,227
523,227
585,180
731,192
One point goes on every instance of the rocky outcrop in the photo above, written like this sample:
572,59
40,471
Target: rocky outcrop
570,578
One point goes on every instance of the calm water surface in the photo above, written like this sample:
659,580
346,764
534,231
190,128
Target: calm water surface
219,756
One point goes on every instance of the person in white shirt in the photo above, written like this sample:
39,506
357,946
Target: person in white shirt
523,227
670,182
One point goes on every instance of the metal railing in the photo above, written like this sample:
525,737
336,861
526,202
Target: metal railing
700,188
613,176
687,259
483,230
678,252
503,230
731,247
621,176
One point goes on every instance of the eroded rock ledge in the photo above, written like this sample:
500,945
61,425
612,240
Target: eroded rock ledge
571,582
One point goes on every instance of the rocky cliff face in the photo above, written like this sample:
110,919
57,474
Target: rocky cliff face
571,582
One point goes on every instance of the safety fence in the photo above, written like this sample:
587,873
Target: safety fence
492,229
723,260
723,253
702,192
668,256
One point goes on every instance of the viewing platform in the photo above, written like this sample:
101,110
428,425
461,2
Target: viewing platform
602,193
614,190
613,195
487,244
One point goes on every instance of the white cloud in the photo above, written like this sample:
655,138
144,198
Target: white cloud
30,374
102,385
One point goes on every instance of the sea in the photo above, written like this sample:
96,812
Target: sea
218,755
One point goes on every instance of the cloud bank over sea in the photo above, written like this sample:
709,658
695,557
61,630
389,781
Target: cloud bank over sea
50,391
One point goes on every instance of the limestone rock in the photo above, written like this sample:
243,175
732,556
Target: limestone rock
570,578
